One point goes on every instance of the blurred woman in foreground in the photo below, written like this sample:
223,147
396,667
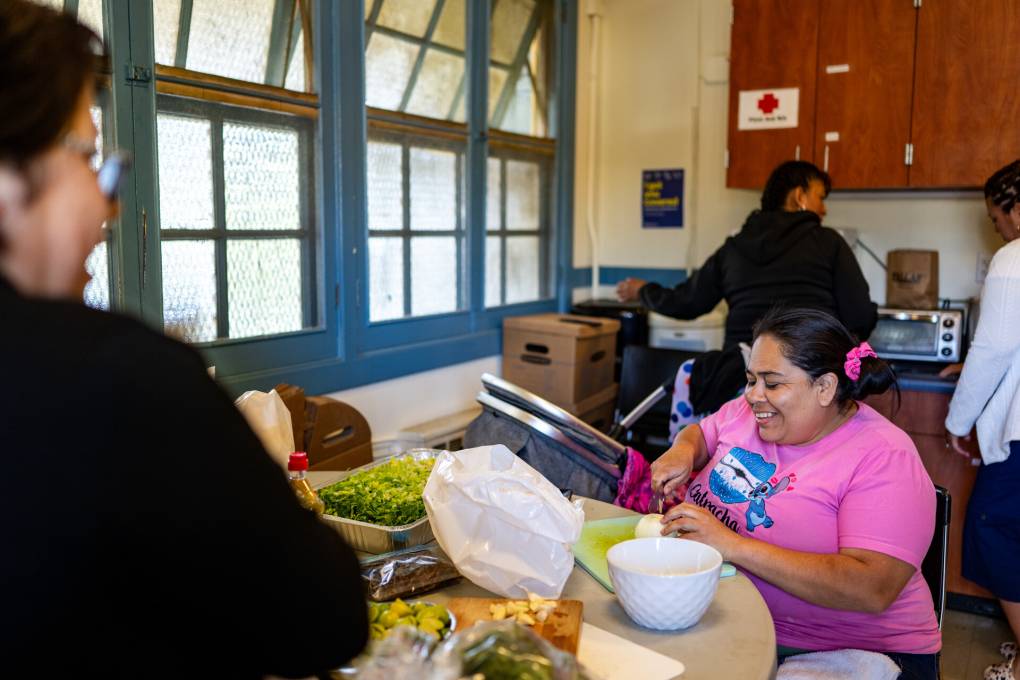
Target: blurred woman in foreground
146,532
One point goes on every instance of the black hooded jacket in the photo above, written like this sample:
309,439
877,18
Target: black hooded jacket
777,258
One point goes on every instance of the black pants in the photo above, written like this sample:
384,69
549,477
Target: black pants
913,666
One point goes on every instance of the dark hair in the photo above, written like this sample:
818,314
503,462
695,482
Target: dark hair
46,59
817,343
787,177
1003,188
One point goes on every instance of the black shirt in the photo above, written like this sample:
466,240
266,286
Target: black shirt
145,532
777,258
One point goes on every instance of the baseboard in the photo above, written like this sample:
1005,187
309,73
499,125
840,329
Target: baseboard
974,605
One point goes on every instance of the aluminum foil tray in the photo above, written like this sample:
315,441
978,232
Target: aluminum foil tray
376,538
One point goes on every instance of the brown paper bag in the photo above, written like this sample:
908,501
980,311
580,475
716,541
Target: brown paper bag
912,279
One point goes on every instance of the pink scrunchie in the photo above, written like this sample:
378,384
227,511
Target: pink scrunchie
852,365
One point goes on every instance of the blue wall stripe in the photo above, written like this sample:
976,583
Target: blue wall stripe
581,276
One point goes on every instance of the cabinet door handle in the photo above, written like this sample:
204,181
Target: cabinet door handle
796,153
825,159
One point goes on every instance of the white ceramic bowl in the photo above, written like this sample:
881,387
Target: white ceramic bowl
664,583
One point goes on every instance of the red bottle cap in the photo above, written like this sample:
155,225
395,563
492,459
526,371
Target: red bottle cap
298,461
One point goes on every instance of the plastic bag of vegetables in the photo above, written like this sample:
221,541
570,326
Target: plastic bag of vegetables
502,650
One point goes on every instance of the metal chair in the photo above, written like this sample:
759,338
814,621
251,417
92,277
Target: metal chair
933,568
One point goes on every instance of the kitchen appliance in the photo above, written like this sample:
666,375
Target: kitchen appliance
697,335
935,335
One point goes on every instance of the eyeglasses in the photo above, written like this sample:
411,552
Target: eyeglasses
110,172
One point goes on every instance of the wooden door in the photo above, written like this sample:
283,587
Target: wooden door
865,80
966,92
774,44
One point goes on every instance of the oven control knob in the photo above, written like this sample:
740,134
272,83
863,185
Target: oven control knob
948,337
948,323
946,351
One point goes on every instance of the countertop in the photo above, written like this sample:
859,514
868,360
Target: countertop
922,377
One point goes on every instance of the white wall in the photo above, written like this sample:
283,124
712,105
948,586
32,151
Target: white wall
395,405
663,103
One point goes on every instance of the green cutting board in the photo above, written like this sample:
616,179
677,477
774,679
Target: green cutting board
599,535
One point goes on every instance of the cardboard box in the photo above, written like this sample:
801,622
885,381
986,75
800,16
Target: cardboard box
598,409
563,358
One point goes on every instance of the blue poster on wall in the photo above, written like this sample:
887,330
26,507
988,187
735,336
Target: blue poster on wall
662,199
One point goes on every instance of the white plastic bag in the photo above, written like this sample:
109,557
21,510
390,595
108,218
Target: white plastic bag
504,525
269,418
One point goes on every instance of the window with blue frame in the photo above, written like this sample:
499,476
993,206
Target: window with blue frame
328,237
415,84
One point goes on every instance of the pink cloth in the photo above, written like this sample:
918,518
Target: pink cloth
634,490
863,486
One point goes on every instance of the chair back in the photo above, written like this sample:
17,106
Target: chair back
644,370
933,568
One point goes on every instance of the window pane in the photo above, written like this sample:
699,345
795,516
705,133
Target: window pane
523,195
385,186
97,290
433,275
189,290
436,85
90,13
497,77
185,172
230,38
166,17
433,189
521,109
522,269
264,286
296,69
388,65
261,174
386,278
450,29
493,270
521,44
406,16
509,21
494,195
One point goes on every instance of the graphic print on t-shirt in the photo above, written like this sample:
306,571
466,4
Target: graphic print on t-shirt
742,476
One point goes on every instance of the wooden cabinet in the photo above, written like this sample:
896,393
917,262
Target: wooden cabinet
774,43
865,73
921,415
966,96
876,76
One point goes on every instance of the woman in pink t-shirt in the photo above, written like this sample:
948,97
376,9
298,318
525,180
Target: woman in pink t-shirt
820,500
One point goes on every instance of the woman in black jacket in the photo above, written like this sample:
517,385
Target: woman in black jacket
146,532
782,256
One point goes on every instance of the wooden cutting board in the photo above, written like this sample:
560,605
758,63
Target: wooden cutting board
562,628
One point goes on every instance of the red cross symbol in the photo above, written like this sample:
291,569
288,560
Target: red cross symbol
768,104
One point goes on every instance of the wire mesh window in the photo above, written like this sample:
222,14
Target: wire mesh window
236,220
414,57
416,226
521,71
517,258
254,41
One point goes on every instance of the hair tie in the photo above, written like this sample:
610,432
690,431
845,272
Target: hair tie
852,366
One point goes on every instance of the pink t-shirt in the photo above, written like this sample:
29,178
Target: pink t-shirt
863,486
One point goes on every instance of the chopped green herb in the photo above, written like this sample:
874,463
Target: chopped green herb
388,494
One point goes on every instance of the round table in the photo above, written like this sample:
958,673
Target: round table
735,639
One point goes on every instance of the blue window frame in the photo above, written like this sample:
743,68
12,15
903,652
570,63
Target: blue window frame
321,45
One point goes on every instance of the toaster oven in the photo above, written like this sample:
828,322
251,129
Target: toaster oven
919,334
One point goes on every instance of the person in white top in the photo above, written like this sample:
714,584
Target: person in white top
988,395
